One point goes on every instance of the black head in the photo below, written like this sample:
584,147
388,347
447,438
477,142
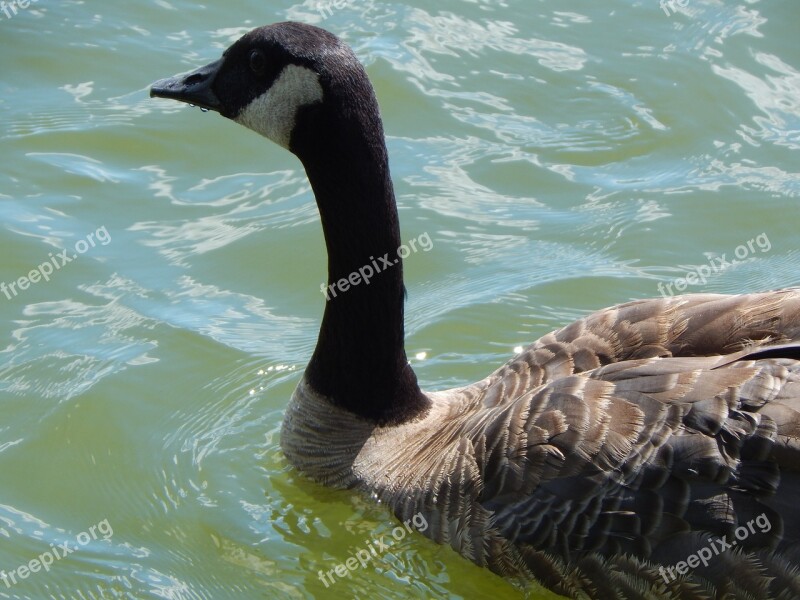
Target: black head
272,78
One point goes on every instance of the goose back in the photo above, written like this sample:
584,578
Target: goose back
605,454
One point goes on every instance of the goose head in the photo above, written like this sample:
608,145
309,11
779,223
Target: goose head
289,82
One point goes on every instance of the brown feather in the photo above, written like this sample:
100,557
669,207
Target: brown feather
603,454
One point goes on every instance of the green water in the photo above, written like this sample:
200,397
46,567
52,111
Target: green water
561,156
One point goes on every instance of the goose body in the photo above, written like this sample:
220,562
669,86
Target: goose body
648,450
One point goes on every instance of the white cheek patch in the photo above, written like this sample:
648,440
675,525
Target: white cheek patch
273,113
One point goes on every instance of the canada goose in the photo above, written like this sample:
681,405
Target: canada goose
648,450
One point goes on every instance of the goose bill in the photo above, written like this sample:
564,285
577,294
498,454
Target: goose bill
193,88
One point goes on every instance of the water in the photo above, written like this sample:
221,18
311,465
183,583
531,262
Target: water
561,156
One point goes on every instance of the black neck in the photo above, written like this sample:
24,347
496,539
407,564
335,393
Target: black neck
359,361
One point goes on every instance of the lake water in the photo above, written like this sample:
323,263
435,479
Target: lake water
561,156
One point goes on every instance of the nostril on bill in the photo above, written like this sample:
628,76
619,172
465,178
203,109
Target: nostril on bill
194,79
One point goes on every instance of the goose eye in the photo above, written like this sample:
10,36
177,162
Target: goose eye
257,61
